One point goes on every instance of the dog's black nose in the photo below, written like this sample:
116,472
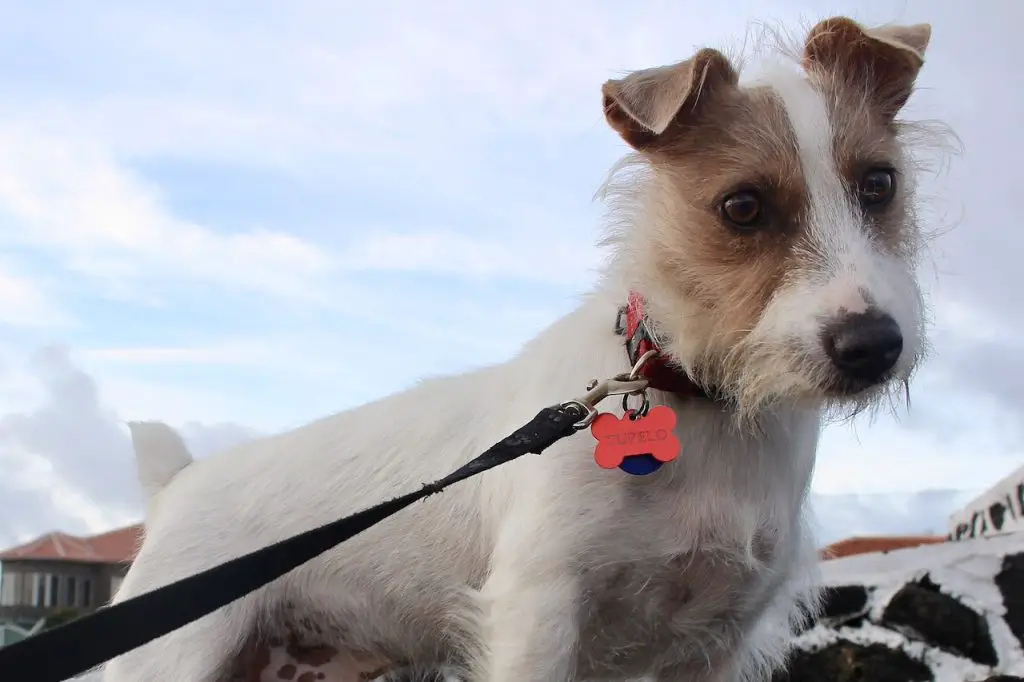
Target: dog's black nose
864,346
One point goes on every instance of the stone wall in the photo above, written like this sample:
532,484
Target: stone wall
937,613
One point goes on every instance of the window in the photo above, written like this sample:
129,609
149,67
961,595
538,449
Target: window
38,589
86,592
24,585
54,592
9,588
69,591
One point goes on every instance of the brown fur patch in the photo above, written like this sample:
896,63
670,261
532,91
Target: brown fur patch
369,675
883,62
648,105
739,140
252,661
314,656
295,662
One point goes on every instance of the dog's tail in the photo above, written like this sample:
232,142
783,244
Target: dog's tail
160,454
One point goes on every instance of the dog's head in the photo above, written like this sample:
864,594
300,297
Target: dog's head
772,229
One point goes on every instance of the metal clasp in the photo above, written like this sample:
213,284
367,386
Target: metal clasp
625,384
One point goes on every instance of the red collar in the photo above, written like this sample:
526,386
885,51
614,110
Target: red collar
662,374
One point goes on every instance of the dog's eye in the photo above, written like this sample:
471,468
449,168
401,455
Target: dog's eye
742,209
877,187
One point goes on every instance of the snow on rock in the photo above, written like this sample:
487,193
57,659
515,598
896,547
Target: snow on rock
951,612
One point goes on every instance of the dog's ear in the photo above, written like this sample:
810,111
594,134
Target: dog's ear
885,60
645,105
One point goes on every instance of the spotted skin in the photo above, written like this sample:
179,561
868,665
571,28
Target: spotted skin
292,662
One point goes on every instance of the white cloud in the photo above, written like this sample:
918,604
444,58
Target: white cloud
894,460
70,197
952,436
67,459
444,252
25,303
924,512
336,77
237,354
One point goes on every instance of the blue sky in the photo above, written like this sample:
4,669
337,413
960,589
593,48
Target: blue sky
238,217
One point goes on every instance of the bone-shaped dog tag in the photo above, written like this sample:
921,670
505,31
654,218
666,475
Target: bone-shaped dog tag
637,445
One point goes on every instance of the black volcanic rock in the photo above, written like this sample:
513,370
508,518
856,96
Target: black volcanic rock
920,611
1010,582
843,603
848,662
997,511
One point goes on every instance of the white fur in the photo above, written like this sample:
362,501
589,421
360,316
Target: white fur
550,568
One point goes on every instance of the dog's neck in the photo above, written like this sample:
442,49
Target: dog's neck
663,374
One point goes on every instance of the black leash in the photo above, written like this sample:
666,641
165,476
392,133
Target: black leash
76,647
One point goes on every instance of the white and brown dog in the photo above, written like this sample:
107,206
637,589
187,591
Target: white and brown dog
765,232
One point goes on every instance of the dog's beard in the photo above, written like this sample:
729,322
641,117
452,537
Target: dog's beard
757,377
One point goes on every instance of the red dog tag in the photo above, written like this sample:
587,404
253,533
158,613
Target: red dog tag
618,438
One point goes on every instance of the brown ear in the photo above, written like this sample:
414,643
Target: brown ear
886,59
642,106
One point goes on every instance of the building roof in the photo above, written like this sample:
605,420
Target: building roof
114,547
877,543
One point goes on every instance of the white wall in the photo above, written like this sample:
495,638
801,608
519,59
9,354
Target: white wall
998,511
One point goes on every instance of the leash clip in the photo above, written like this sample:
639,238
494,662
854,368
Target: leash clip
623,384
634,374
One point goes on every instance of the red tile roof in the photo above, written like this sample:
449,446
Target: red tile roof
115,547
870,544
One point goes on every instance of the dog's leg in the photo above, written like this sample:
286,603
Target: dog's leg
531,599
531,628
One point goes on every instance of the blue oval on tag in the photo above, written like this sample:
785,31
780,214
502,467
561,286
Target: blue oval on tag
640,465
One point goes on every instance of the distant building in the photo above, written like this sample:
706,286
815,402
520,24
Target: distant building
997,511
59,572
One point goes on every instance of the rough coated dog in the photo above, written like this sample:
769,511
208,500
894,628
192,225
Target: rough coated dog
769,226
